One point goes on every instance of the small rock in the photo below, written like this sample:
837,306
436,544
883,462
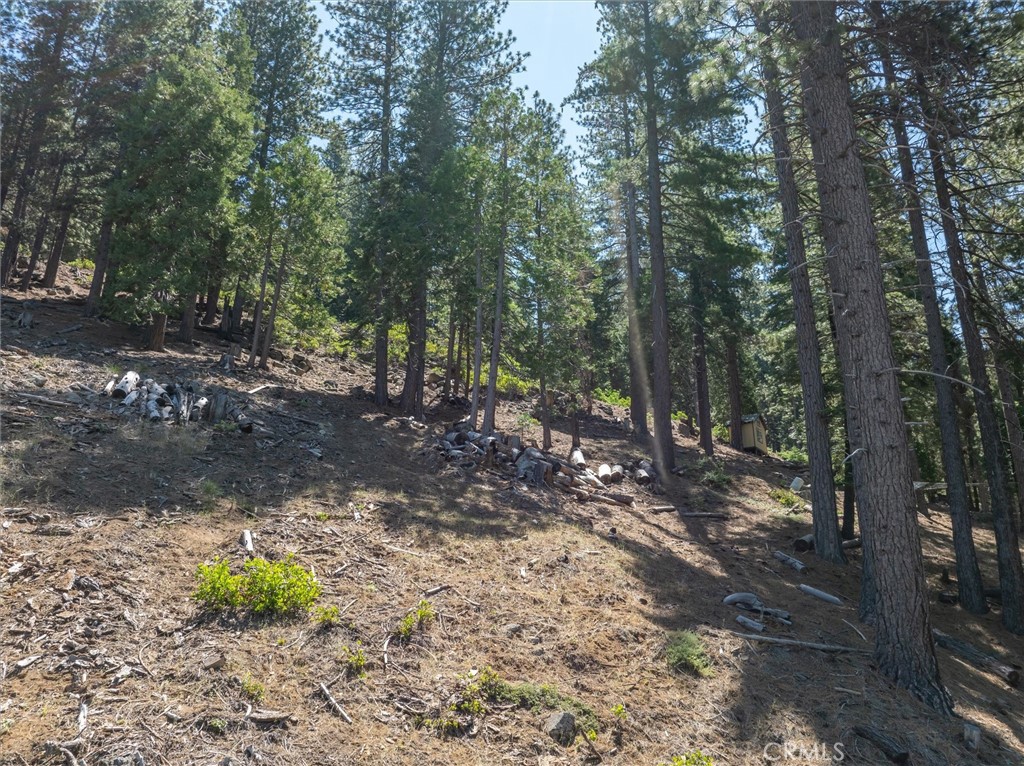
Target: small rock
561,727
513,629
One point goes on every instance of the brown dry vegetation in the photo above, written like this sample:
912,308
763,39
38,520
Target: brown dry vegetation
135,507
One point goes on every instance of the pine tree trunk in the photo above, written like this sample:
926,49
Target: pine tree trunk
499,302
100,266
1015,435
664,446
57,249
700,366
968,575
545,411
827,538
412,390
478,338
257,318
187,325
268,337
157,332
732,364
447,386
1011,574
212,300
457,372
903,641
638,381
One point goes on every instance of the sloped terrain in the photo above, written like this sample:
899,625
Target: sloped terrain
105,519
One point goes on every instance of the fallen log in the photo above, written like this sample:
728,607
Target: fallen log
749,624
576,458
335,706
800,644
128,383
892,749
806,543
820,594
604,473
978,658
41,399
626,500
617,473
642,477
661,509
608,499
789,561
705,515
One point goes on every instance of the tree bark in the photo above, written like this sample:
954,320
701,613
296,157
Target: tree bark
447,385
968,574
412,390
827,539
212,300
157,332
268,338
57,249
478,338
732,364
903,644
700,365
638,381
101,263
1011,574
188,319
664,447
257,318
499,302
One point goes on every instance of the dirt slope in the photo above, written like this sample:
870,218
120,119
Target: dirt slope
105,519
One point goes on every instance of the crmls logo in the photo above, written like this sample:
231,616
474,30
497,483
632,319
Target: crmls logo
802,752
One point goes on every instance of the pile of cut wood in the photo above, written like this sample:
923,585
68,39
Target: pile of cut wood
467,448
180,402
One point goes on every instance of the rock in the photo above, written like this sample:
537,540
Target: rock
561,727
302,363
513,629
276,354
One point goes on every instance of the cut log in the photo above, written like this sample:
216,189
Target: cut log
850,544
604,473
515,442
617,473
626,500
576,458
226,363
704,515
972,736
789,561
70,328
892,749
745,597
542,472
246,541
978,658
642,477
820,594
609,499
661,509
128,383
749,624
804,544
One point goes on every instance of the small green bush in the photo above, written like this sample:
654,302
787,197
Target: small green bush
794,455
272,589
327,617
712,473
253,689
685,651
354,660
785,497
422,615
611,396
693,758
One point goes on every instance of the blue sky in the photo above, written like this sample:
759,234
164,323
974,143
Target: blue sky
560,36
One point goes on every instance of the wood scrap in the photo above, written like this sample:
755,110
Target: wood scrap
789,561
800,644
749,624
705,515
335,706
892,749
820,594
978,658
576,458
40,399
661,509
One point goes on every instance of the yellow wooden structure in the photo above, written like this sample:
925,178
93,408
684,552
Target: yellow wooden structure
755,433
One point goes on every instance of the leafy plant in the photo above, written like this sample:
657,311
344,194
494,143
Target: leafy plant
273,589
209,493
253,689
610,396
354,660
422,615
693,758
619,711
327,617
217,725
685,652
712,473
785,497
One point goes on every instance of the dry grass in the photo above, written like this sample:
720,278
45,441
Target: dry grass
535,589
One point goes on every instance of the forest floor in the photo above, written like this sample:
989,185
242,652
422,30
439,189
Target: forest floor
105,519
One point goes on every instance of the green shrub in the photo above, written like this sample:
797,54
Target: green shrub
712,473
693,758
685,652
422,615
327,617
785,497
794,455
611,396
354,660
512,386
721,433
272,589
81,263
253,689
